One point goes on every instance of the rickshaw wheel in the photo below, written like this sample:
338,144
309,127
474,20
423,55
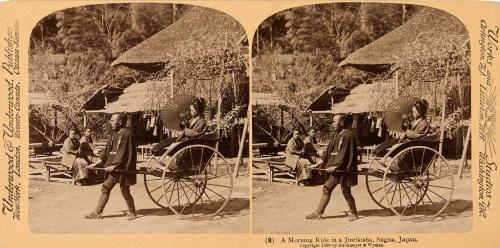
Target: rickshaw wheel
198,182
153,179
422,183
375,182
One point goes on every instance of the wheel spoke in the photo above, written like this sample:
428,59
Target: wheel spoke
171,194
201,157
204,192
428,165
437,194
218,185
409,205
394,193
191,154
413,158
407,195
216,193
432,202
416,204
382,187
442,187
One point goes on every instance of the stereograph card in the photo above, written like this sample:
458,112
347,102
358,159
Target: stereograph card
308,124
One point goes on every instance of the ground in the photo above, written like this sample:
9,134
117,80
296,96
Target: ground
281,207
60,208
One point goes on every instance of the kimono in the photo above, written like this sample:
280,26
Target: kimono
74,159
69,151
121,152
341,153
196,127
297,161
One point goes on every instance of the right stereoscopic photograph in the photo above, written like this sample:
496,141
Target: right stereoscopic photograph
361,120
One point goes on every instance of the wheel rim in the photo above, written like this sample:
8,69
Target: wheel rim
153,181
201,184
375,182
422,184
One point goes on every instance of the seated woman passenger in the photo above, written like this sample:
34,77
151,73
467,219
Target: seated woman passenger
192,128
417,128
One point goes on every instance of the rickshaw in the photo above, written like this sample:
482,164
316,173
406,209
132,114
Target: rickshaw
191,178
411,177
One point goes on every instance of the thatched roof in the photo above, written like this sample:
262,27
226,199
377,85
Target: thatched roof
430,30
366,98
199,28
42,99
323,101
98,100
138,97
266,99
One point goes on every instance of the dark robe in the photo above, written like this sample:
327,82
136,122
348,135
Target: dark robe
121,152
341,153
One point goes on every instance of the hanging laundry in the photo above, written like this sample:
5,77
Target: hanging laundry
153,121
129,121
148,125
155,131
380,131
355,121
379,122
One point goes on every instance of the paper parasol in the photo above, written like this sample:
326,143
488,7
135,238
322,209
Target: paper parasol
175,110
399,111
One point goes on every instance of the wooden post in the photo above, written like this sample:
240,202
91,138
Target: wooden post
242,144
310,119
172,83
463,159
282,114
235,89
397,83
84,119
47,171
441,135
443,108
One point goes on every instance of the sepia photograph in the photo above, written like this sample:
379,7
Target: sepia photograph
138,121
361,121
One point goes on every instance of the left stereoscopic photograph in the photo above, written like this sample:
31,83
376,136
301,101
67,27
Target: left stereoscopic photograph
138,121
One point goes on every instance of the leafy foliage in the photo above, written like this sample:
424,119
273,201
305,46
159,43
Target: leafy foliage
71,51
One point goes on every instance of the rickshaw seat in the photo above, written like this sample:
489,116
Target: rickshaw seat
209,139
381,150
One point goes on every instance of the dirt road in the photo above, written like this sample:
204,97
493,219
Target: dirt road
60,208
281,207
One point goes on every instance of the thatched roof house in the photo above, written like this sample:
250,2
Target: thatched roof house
366,98
324,101
199,28
429,31
42,99
135,98
101,97
266,99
